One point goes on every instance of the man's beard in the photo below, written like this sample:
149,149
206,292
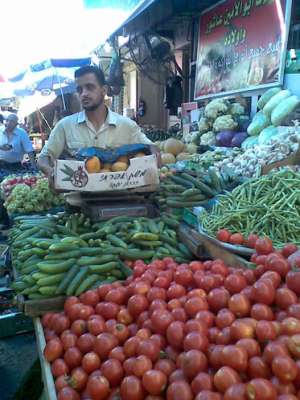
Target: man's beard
94,106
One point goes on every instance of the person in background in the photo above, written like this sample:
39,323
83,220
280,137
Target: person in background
1,120
95,126
14,144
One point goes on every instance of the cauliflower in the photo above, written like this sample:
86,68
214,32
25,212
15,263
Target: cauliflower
215,108
204,125
208,139
224,123
237,109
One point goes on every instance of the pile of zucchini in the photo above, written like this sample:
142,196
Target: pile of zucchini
68,255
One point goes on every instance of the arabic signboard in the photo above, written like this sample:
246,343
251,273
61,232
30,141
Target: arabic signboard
242,46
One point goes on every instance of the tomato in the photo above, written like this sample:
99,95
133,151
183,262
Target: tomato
95,326
175,334
175,291
217,299
224,318
85,342
251,240
283,388
149,348
132,389
193,325
208,395
179,390
261,389
59,367
79,327
215,356
265,331
47,318
290,326
235,357
98,387
121,332
284,368
219,269
236,239
49,334
166,366
159,340
61,382
207,317
67,393
287,397
273,349
224,336
289,249
154,381
141,365
193,361
213,334
285,298
262,312
174,303
263,246
278,264
195,340
73,357
130,346
156,293
294,311
91,298
113,371
251,346
183,276
258,368
294,345
143,333
107,310
68,304
250,276
202,381
53,350
118,295
124,317
194,305
241,329
224,378
60,324
223,235
157,304
78,379
263,292
239,304
161,319
90,362
235,283
273,277
236,392
205,282
293,281
104,343
196,266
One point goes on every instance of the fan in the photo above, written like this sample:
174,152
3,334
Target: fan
154,57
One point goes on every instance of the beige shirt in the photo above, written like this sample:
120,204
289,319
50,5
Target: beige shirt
76,131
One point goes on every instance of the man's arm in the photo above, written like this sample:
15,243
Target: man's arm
140,137
44,164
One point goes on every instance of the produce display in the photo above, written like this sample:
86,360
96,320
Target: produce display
159,135
201,162
38,197
223,124
196,331
173,150
68,255
268,205
11,181
188,189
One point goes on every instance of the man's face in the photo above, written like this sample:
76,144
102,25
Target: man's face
10,123
91,93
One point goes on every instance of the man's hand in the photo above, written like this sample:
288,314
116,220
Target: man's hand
6,147
155,150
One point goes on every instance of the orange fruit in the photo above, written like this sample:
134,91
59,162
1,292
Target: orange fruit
93,165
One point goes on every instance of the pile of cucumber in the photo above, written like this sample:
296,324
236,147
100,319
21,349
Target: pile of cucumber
189,189
67,254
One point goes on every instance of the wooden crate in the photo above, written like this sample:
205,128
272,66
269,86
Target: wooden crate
48,381
36,308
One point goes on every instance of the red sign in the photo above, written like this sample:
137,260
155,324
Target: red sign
241,46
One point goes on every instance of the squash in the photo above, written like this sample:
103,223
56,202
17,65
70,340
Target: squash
266,97
275,100
173,146
93,165
123,159
183,156
119,166
167,158
284,109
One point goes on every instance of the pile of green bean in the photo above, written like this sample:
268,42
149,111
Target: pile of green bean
267,206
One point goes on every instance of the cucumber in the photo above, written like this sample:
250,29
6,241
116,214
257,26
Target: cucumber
48,290
63,256
86,260
191,192
102,268
56,268
51,280
69,276
200,185
137,254
266,97
91,251
76,281
86,284
181,181
62,247
125,270
116,241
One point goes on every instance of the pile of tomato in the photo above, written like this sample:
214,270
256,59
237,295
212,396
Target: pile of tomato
200,331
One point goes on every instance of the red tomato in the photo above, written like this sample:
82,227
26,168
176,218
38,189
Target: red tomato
224,337
235,283
235,357
224,318
239,304
289,249
90,362
262,312
218,299
113,371
283,388
224,378
47,318
194,305
78,379
149,348
141,365
104,343
207,317
61,382
265,331
132,389
241,329
202,381
195,340
293,281
183,276
69,340
59,367
294,310
156,293
68,304
166,366
264,292
193,362
98,387
285,297
67,393
223,235
49,334
91,298
261,389
85,342
250,345
161,319
236,239
53,350
208,395
258,368
196,266
220,269
294,345
250,276
236,392
284,368
273,277
193,325
251,240
95,326
179,390
290,326
175,334
154,381
278,264
137,304
79,327
130,346
263,246
175,291
60,324
73,357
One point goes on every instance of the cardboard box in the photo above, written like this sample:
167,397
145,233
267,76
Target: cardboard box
71,175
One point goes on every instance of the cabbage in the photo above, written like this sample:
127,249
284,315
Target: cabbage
224,138
249,142
238,139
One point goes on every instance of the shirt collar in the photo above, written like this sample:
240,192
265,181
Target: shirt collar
3,131
111,118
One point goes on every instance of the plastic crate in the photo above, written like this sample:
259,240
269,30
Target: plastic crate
14,324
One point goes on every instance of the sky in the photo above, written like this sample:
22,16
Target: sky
34,30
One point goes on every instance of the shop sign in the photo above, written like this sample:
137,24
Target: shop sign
242,46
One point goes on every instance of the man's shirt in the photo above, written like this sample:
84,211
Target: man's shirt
76,131
20,142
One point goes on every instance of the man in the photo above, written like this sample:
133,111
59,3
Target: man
95,126
14,143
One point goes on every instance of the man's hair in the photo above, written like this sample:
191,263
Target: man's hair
1,119
90,69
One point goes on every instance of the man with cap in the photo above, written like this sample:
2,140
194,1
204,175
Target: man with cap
14,143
